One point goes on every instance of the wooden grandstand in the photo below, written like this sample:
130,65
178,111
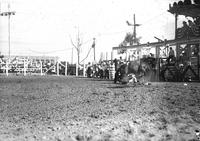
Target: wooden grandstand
28,64
186,44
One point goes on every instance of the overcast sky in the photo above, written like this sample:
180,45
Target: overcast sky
43,27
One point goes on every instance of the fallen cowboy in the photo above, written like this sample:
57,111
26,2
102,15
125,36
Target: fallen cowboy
129,79
132,72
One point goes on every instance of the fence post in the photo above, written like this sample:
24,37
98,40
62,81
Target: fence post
57,68
77,69
157,63
7,68
111,56
111,71
24,67
83,69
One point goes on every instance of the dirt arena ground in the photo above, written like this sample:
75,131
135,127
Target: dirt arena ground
51,108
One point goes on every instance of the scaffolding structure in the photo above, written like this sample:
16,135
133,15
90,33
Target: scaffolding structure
28,64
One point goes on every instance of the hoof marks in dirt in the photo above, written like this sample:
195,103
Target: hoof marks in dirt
92,138
79,138
153,112
54,128
168,137
95,93
143,131
183,130
193,140
94,116
130,131
163,127
151,135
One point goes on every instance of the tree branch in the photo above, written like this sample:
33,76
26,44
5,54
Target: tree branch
73,43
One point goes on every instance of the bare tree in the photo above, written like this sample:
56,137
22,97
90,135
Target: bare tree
77,45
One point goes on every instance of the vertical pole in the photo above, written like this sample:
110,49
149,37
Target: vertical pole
66,69
72,56
140,53
9,30
57,68
134,34
77,69
177,45
7,67
9,36
24,67
157,63
84,69
176,19
101,56
126,56
112,66
41,67
111,56
94,55
198,65
9,14
93,45
177,51
157,51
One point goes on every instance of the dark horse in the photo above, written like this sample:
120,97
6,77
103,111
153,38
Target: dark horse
140,69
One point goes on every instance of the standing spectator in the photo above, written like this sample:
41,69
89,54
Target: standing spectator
185,25
191,24
171,55
89,71
197,21
121,60
115,61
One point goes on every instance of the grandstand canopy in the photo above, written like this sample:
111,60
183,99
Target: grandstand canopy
191,10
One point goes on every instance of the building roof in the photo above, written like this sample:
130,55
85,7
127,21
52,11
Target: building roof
163,43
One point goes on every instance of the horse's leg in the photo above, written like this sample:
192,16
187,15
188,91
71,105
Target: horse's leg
117,77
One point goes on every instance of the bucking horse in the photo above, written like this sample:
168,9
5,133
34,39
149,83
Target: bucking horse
135,70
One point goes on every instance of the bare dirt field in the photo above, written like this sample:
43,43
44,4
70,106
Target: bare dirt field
51,108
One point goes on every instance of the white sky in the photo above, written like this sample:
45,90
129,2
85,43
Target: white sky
43,27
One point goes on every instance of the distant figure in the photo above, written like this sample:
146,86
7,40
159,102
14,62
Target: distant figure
197,21
171,55
1,56
89,71
183,32
191,24
192,28
118,63
186,28
151,55
115,61
121,60
185,25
